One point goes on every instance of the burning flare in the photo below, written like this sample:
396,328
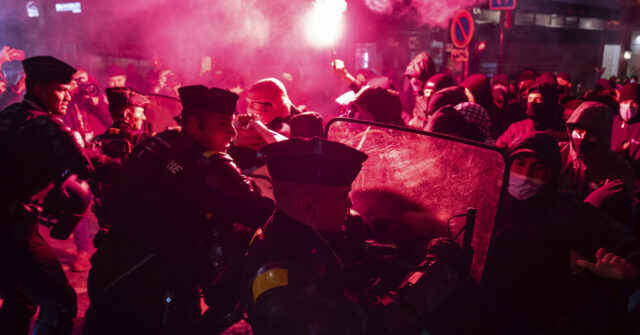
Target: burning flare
324,22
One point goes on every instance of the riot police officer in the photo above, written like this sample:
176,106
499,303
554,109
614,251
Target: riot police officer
37,154
176,227
127,109
295,280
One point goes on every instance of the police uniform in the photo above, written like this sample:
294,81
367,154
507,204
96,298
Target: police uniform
36,151
176,229
117,143
295,280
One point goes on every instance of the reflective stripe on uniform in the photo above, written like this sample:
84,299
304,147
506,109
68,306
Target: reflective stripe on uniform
276,277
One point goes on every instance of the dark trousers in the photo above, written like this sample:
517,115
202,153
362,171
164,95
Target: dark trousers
31,275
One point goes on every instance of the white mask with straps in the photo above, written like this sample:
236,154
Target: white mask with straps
523,187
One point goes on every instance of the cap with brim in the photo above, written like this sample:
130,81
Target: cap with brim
316,161
125,96
199,98
520,151
41,69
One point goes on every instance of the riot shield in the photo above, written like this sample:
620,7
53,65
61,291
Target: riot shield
424,185
161,112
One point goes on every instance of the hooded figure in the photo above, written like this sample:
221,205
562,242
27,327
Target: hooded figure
605,93
436,83
532,288
419,70
377,104
447,120
477,117
587,159
565,88
447,96
480,87
543,113
625,137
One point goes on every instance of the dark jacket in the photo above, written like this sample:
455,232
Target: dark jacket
583,174
119,140
479,86
530,270
173,230
309,292
35,150
625,140
548,120
296,282
525,128
111,151
423,67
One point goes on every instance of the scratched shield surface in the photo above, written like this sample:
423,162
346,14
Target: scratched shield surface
425,179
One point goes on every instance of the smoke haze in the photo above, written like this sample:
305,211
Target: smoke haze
246,39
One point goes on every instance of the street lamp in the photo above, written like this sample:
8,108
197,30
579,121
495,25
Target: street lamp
627,54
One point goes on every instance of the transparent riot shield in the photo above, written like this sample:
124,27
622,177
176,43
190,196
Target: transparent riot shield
417,185
161,112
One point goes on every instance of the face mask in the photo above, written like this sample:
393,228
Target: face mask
535,111
628,111
523,187
582,146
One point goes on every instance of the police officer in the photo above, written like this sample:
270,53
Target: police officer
127,109
37,153
295,279
176,227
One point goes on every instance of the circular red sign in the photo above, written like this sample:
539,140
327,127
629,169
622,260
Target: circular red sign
462,28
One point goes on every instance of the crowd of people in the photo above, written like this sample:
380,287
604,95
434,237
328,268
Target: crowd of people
249,210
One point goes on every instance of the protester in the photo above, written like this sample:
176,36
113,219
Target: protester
419,70
543,113
625,138
587,159
542,236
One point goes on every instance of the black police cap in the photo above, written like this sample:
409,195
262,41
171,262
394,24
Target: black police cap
125,96
47,69
200,98
315,161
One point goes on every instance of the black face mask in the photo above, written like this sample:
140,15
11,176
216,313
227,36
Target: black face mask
535,111
563,89
582,147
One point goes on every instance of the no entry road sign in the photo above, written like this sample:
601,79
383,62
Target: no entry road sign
462,28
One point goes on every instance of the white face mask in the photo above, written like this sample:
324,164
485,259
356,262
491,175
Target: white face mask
628,111
523,187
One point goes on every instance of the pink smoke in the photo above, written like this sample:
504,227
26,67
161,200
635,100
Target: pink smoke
424,12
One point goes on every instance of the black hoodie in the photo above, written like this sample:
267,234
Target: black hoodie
584,173
528,273
625,137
